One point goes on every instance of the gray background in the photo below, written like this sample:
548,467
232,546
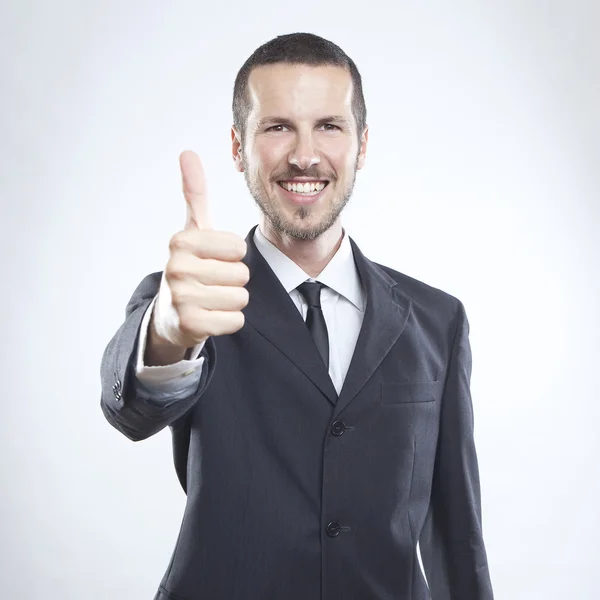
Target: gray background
482,179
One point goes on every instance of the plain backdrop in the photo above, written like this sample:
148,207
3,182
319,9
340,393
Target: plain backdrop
482,179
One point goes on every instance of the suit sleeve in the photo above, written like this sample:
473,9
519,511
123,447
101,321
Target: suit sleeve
452,546
135,415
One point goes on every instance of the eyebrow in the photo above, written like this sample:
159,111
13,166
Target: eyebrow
285,121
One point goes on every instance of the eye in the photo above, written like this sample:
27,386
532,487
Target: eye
330,127
276,128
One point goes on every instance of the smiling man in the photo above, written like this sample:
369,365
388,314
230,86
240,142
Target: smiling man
319,402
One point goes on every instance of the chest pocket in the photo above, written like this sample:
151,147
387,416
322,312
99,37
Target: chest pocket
410,392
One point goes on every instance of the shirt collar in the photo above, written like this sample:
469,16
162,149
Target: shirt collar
340,274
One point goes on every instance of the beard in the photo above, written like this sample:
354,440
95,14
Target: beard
270,205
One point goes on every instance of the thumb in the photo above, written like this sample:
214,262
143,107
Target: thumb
194,191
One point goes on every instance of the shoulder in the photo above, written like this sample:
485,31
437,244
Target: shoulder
424,297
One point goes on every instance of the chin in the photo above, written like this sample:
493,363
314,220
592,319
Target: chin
311,229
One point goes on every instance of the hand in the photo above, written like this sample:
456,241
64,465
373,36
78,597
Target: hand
202,289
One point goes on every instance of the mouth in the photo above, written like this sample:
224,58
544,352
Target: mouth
303,192
305,188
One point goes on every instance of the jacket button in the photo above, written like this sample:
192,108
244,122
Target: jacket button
338,428
117,389
333,529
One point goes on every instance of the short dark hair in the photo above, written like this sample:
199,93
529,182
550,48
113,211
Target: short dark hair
296,49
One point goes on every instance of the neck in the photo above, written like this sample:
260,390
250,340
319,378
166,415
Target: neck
312,256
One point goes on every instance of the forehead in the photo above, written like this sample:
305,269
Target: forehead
299,91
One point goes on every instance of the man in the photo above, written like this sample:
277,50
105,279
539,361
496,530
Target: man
319,402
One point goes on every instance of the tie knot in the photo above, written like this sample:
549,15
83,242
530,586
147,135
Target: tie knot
311,290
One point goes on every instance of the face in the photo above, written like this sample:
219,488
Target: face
301,150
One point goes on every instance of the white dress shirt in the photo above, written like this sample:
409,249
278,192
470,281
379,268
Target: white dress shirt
343,303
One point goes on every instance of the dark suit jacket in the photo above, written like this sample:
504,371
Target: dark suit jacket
296,494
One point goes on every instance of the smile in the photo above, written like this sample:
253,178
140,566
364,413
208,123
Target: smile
307,188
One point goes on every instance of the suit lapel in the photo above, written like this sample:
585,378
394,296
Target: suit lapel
272,312
385,317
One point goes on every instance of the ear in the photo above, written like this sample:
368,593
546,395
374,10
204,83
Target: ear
362,154
237,149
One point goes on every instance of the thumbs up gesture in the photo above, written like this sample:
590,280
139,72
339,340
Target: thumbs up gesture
202,289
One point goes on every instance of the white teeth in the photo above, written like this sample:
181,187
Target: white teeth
310,188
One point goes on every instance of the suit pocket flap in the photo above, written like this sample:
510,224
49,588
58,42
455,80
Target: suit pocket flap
410,391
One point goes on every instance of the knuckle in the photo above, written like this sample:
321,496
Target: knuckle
174,270
173,273
178,297
177,242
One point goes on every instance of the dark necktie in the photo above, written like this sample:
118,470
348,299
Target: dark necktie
314,317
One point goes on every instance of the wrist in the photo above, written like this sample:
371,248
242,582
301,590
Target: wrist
159,351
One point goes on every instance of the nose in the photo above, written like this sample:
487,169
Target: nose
304,154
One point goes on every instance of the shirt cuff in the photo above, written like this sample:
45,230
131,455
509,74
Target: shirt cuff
184,372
